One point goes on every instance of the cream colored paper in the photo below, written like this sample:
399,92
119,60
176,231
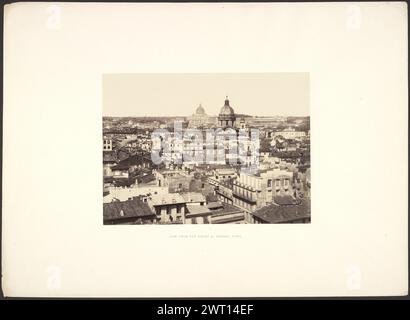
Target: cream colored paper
54,243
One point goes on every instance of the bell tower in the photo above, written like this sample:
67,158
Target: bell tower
226,117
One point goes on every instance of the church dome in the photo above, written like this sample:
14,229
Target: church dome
226,110
200,110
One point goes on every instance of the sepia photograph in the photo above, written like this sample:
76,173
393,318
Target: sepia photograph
177,149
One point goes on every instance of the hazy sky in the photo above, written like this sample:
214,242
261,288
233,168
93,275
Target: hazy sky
256,94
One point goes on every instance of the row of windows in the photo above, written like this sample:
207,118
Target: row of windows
172,219
179,209
169,209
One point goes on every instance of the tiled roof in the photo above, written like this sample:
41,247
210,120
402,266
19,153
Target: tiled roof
279,214
211,198
127,209
226,208
145,179
225,171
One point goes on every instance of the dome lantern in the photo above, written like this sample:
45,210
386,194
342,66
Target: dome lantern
200,109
